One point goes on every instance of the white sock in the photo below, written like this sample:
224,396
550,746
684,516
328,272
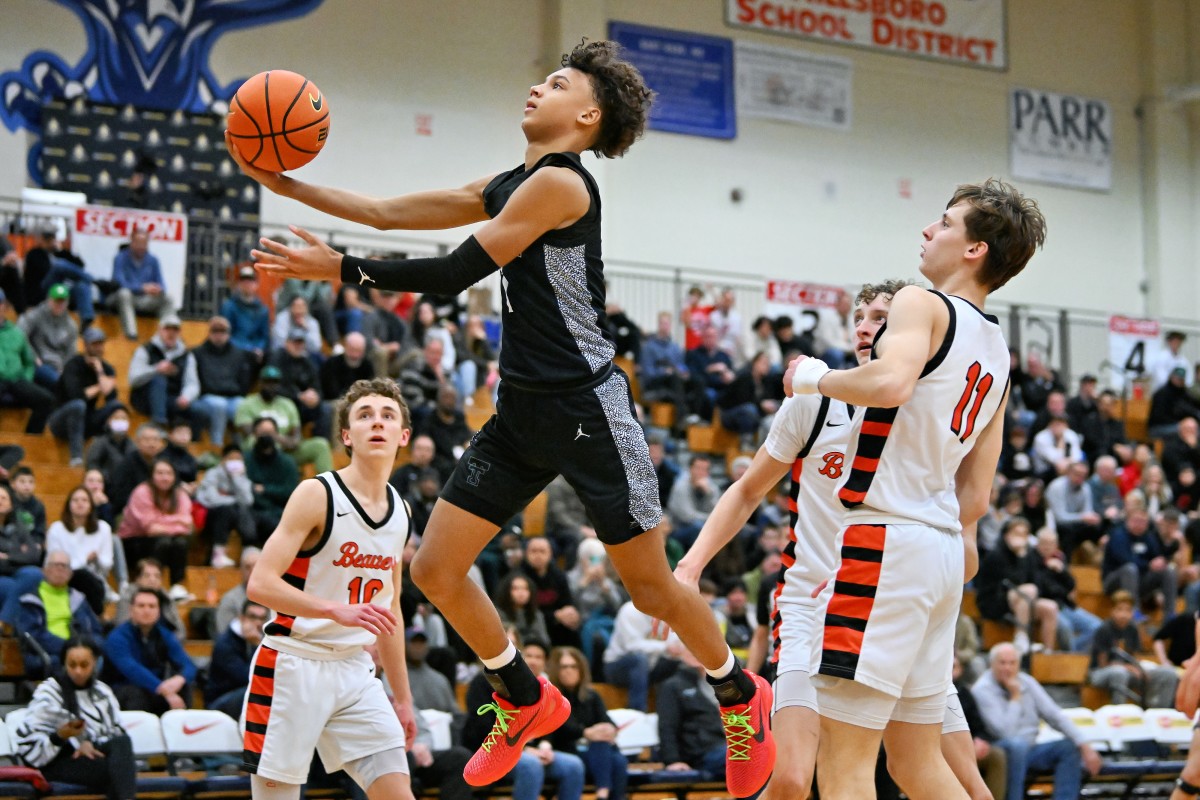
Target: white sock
502,660
724,670
1021,642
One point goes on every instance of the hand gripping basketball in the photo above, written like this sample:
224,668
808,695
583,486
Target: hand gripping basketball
806,374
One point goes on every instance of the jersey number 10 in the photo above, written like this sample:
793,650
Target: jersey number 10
362,593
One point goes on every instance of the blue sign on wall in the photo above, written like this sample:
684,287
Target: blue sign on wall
692,74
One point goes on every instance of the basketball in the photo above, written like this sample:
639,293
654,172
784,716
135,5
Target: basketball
278,120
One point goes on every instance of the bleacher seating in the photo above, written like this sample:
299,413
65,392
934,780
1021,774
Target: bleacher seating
55,479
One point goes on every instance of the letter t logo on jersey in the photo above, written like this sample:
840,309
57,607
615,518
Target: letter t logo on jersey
475,469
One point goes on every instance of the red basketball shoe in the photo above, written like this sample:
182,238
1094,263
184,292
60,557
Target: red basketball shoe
514,726
750,757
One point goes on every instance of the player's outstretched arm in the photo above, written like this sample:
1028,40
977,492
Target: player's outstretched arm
887,381
304,520
730,514
550,199
431,210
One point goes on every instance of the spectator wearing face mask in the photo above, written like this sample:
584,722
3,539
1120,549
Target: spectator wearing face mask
111,447
228,496
273,475
269,402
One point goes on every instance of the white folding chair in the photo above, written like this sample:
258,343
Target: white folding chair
197,733
189,732
1125,722
439,727
1170,727
1094,731
145,733
146,737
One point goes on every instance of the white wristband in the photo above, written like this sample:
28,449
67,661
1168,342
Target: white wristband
807,375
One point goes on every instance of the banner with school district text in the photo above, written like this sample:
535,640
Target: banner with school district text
966,32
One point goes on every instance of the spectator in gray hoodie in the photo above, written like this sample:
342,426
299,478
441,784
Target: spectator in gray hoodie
52,334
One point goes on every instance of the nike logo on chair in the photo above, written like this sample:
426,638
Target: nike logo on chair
580,434
188,730
364,278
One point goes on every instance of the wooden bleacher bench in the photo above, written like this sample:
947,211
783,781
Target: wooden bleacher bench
992,633
477,416
970,607
1087,578
630,369
712,438
1059,668
1136,414
1089,590
662,415
12,664
613,696
535,515
222,580
1093,698
199,649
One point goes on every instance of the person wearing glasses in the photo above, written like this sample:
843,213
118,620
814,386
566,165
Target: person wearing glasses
229,669
589,730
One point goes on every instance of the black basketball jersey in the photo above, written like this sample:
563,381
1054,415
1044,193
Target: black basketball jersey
554,326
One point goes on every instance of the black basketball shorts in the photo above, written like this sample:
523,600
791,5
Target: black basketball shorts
590,436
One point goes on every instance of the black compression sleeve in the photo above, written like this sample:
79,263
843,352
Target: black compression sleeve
448,274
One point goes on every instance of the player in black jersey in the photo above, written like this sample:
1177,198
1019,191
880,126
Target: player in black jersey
563,407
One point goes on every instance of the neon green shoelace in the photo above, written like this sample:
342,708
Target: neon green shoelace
501,725
738,735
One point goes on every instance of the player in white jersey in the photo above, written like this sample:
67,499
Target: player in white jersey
331,573
924,456
809,439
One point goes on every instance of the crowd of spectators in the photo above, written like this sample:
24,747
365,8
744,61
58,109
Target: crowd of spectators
232,422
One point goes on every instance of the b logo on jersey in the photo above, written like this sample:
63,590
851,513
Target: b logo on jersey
832,465
475,469
352,558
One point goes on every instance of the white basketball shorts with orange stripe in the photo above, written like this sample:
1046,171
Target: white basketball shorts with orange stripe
888,622
295,704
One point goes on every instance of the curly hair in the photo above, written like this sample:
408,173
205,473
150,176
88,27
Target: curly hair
1009,223
870,291
620,91
383,387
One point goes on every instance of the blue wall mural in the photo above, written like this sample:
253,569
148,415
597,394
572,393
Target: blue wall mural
151,54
